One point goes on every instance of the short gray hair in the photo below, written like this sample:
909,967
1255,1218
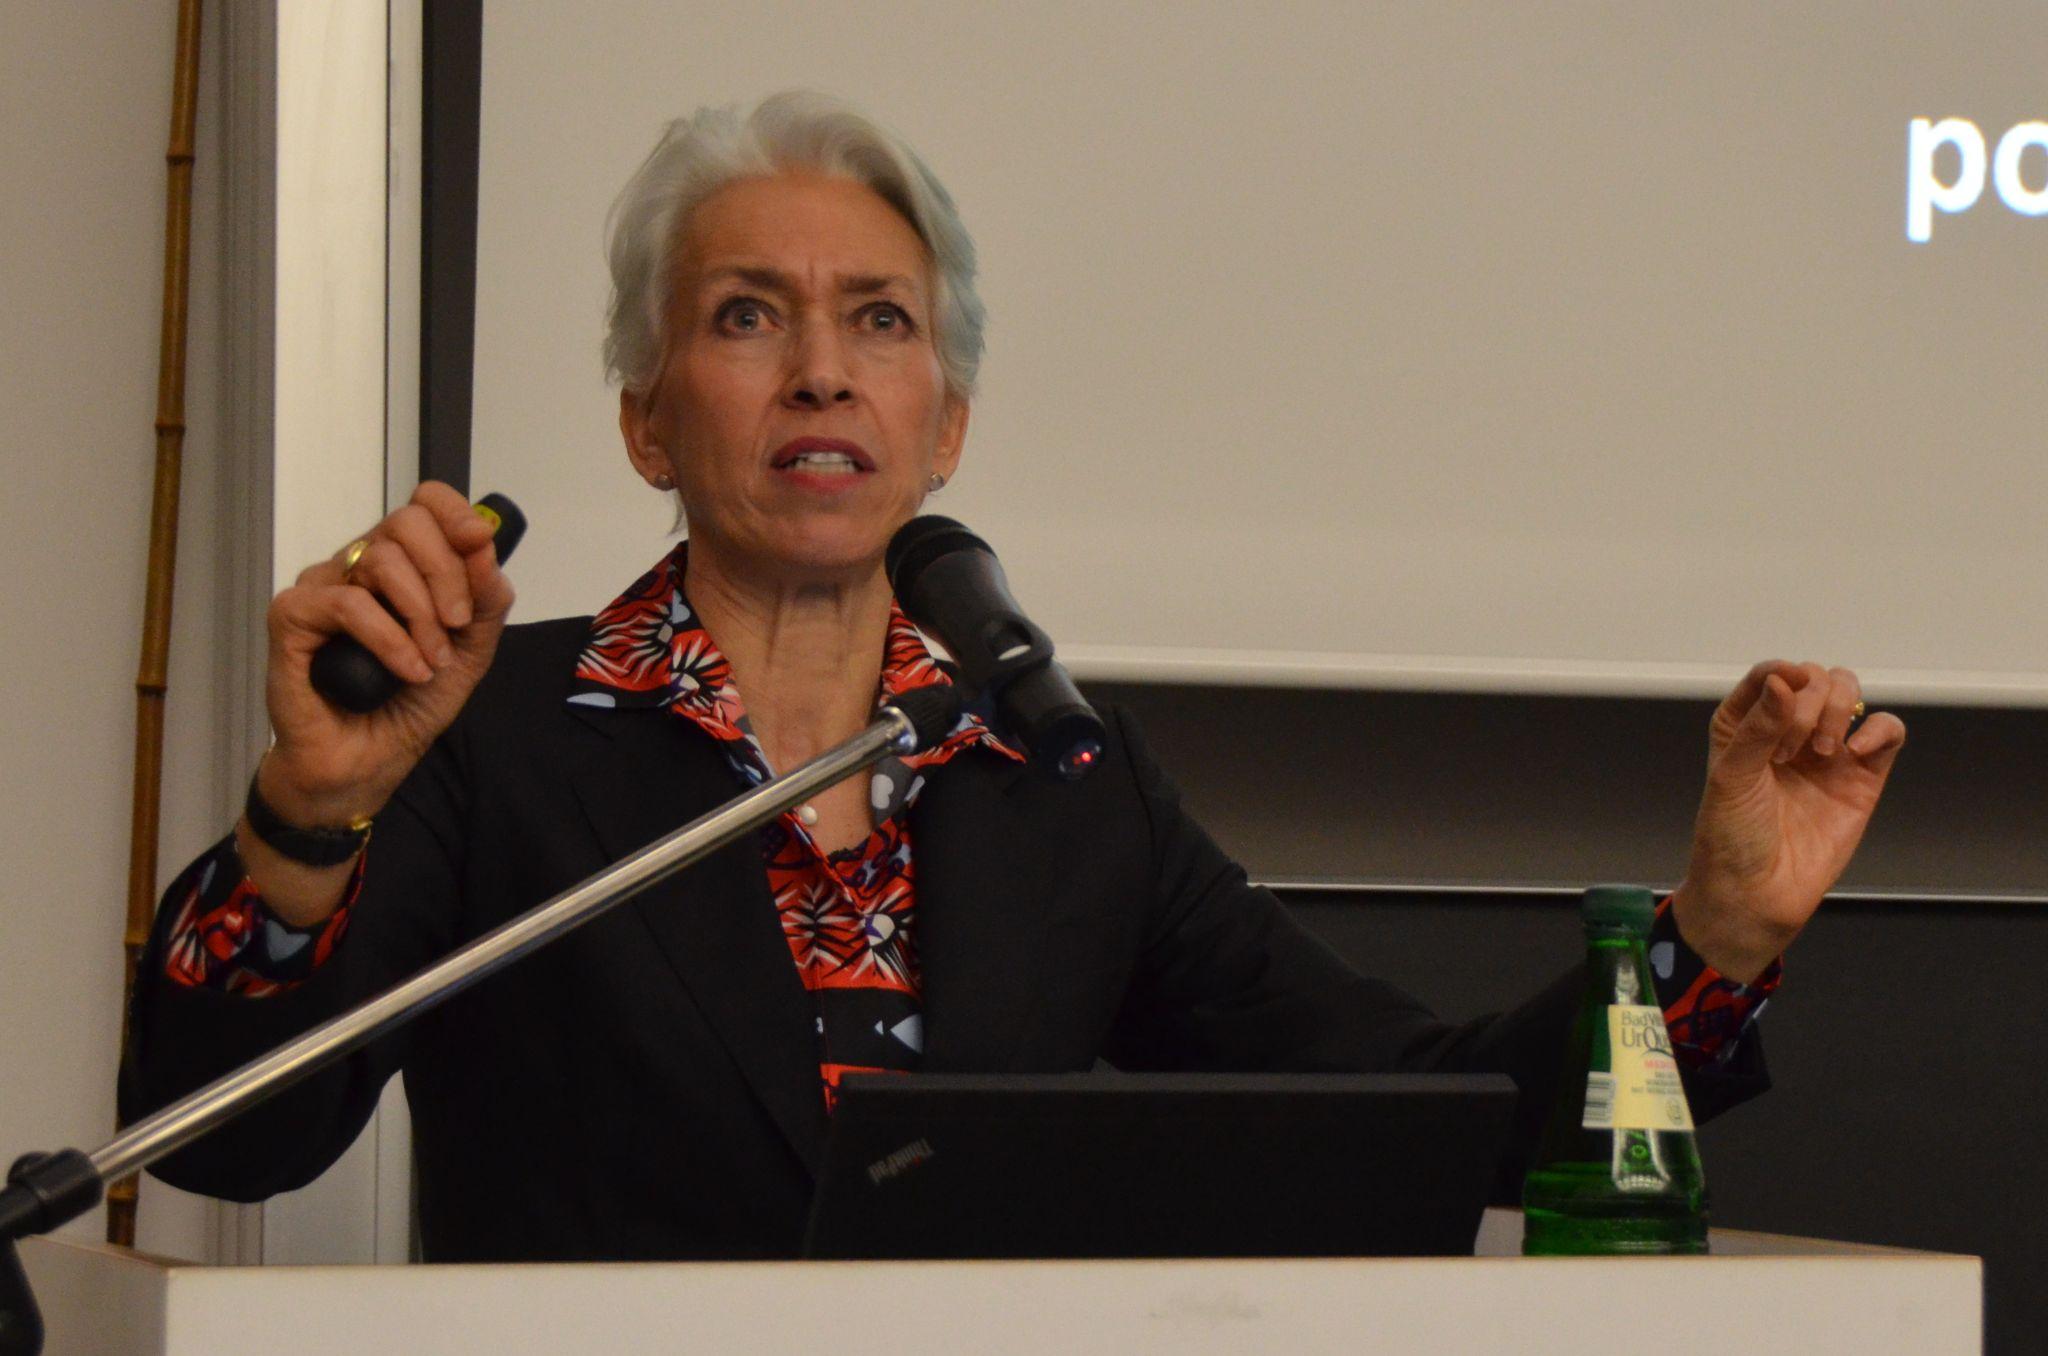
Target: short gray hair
796,129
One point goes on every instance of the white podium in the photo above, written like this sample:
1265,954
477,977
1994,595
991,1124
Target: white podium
1786,1294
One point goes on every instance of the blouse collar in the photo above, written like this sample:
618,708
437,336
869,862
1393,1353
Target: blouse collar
648,648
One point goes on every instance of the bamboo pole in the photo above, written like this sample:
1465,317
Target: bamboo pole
152,681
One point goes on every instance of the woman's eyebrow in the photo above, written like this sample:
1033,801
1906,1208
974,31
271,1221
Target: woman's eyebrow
868,284
775,280
767,279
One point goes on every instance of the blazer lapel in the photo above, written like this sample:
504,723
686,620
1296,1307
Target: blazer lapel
981,866
715,922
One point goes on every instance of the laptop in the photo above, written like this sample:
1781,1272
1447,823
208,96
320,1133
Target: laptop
1159,1165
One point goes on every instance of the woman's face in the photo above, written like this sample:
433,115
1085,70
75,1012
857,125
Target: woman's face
800,407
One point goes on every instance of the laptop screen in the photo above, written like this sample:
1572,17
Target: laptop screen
1159,1165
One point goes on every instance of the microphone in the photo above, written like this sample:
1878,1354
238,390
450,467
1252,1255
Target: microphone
949,582
347,674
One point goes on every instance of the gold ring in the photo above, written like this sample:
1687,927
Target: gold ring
352,553
1857,714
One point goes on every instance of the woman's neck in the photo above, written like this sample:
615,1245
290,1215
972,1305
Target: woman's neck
805,655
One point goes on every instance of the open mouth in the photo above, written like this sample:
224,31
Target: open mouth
823,456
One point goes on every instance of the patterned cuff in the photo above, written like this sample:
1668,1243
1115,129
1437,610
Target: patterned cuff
1707,1012
226,938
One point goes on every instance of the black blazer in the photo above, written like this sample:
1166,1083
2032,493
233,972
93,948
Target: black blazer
648,1086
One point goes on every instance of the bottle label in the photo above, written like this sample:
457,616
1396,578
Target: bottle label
1643,1092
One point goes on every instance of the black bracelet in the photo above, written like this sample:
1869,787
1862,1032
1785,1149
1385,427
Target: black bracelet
308,847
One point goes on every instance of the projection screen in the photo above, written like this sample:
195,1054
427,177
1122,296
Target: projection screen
1543,348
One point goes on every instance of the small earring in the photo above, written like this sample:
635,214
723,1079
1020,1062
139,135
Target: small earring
664,481
935,484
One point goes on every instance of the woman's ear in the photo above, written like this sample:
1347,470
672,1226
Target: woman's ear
643,449
952,436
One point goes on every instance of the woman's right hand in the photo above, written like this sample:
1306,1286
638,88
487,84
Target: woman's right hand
434,562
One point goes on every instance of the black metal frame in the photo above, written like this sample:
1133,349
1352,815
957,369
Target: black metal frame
451,119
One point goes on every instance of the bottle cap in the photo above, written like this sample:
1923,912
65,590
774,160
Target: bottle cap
1619,906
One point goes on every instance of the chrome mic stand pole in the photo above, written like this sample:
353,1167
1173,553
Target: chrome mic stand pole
45,1190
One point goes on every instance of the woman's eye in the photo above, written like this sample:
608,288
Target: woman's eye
886,317
742,314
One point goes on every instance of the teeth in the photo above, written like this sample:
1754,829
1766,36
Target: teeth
824,461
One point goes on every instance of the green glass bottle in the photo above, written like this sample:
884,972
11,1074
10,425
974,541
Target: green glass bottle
1618,1170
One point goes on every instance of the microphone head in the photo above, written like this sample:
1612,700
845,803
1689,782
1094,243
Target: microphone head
951,585
921,541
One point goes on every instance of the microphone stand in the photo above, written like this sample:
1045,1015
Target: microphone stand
45,1190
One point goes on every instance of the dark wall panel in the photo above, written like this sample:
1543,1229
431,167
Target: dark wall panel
1414,786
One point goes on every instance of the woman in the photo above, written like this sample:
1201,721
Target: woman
796,334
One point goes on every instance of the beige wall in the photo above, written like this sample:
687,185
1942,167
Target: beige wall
85,100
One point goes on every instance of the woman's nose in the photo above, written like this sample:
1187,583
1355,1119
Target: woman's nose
818,373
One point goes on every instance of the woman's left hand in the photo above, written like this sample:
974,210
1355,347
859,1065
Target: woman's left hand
1789,792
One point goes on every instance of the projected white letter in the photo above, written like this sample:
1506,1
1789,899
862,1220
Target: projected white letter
2005,169
1924,191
